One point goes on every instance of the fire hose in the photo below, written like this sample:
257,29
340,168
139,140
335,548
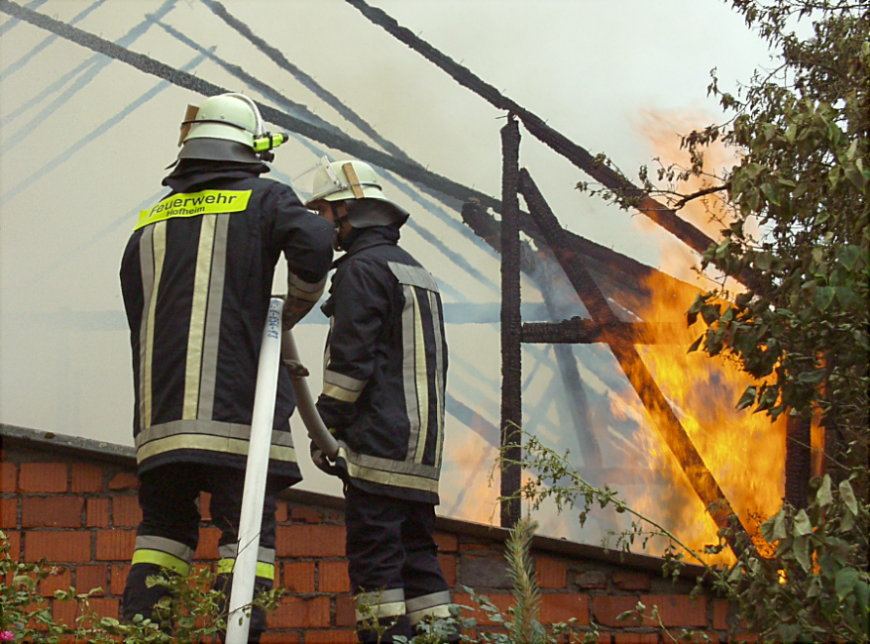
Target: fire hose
317,431
272,351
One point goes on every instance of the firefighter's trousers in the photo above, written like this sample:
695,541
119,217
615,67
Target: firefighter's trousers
392,564
169,532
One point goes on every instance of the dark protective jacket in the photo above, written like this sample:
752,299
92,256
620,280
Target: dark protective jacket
196,276
385,369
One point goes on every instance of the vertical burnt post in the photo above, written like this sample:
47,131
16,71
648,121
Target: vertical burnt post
798,461
511,328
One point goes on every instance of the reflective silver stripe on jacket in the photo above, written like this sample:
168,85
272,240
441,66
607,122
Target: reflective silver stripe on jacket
389,472
200,370
341,387
416,371
379,603
435,605
211,435
230,550
211,335
162,544
152,251
439,376
299,289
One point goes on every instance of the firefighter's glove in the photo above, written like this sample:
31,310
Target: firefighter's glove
322,461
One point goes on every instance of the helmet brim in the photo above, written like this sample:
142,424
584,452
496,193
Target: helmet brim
217,150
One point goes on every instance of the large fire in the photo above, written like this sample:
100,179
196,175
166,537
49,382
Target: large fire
743,451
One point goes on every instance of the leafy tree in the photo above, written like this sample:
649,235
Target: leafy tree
798,213
794,210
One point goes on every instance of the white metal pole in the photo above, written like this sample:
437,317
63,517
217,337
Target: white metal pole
250,521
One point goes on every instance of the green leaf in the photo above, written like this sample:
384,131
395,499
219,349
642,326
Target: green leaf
848,256
763,261
747,398
845,581
823,496
802,524
824,297
801,549
862,594
811,377
847,297
847,495
774,528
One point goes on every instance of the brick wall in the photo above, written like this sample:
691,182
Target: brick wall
67,502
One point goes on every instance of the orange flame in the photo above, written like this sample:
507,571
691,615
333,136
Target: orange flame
743,451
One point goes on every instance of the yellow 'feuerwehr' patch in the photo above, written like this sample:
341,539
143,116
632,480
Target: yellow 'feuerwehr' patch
193,204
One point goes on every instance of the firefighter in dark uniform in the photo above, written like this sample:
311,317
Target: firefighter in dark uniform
196,277
383,397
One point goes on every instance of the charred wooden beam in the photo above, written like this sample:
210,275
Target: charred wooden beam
586,331
535,267
511,322
666,422
798,460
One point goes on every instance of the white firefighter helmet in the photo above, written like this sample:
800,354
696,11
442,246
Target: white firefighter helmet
226,127
355,180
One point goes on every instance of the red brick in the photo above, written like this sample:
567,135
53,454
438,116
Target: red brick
606,609
282,514
118,578
8,513
720,614
331,637
207,548
561,607
272,637
310,541
448,567
305,514
636,638
65,612
124,481
105,606
205,507
332,577
52,511
59,579
299,576
551,573
86,478
345,614
14,539
43,477
631,580
678,610
115,545
97,512
501,601
126,512
55,547
8,477
446,542
591,579
474,545
296,612
92,576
